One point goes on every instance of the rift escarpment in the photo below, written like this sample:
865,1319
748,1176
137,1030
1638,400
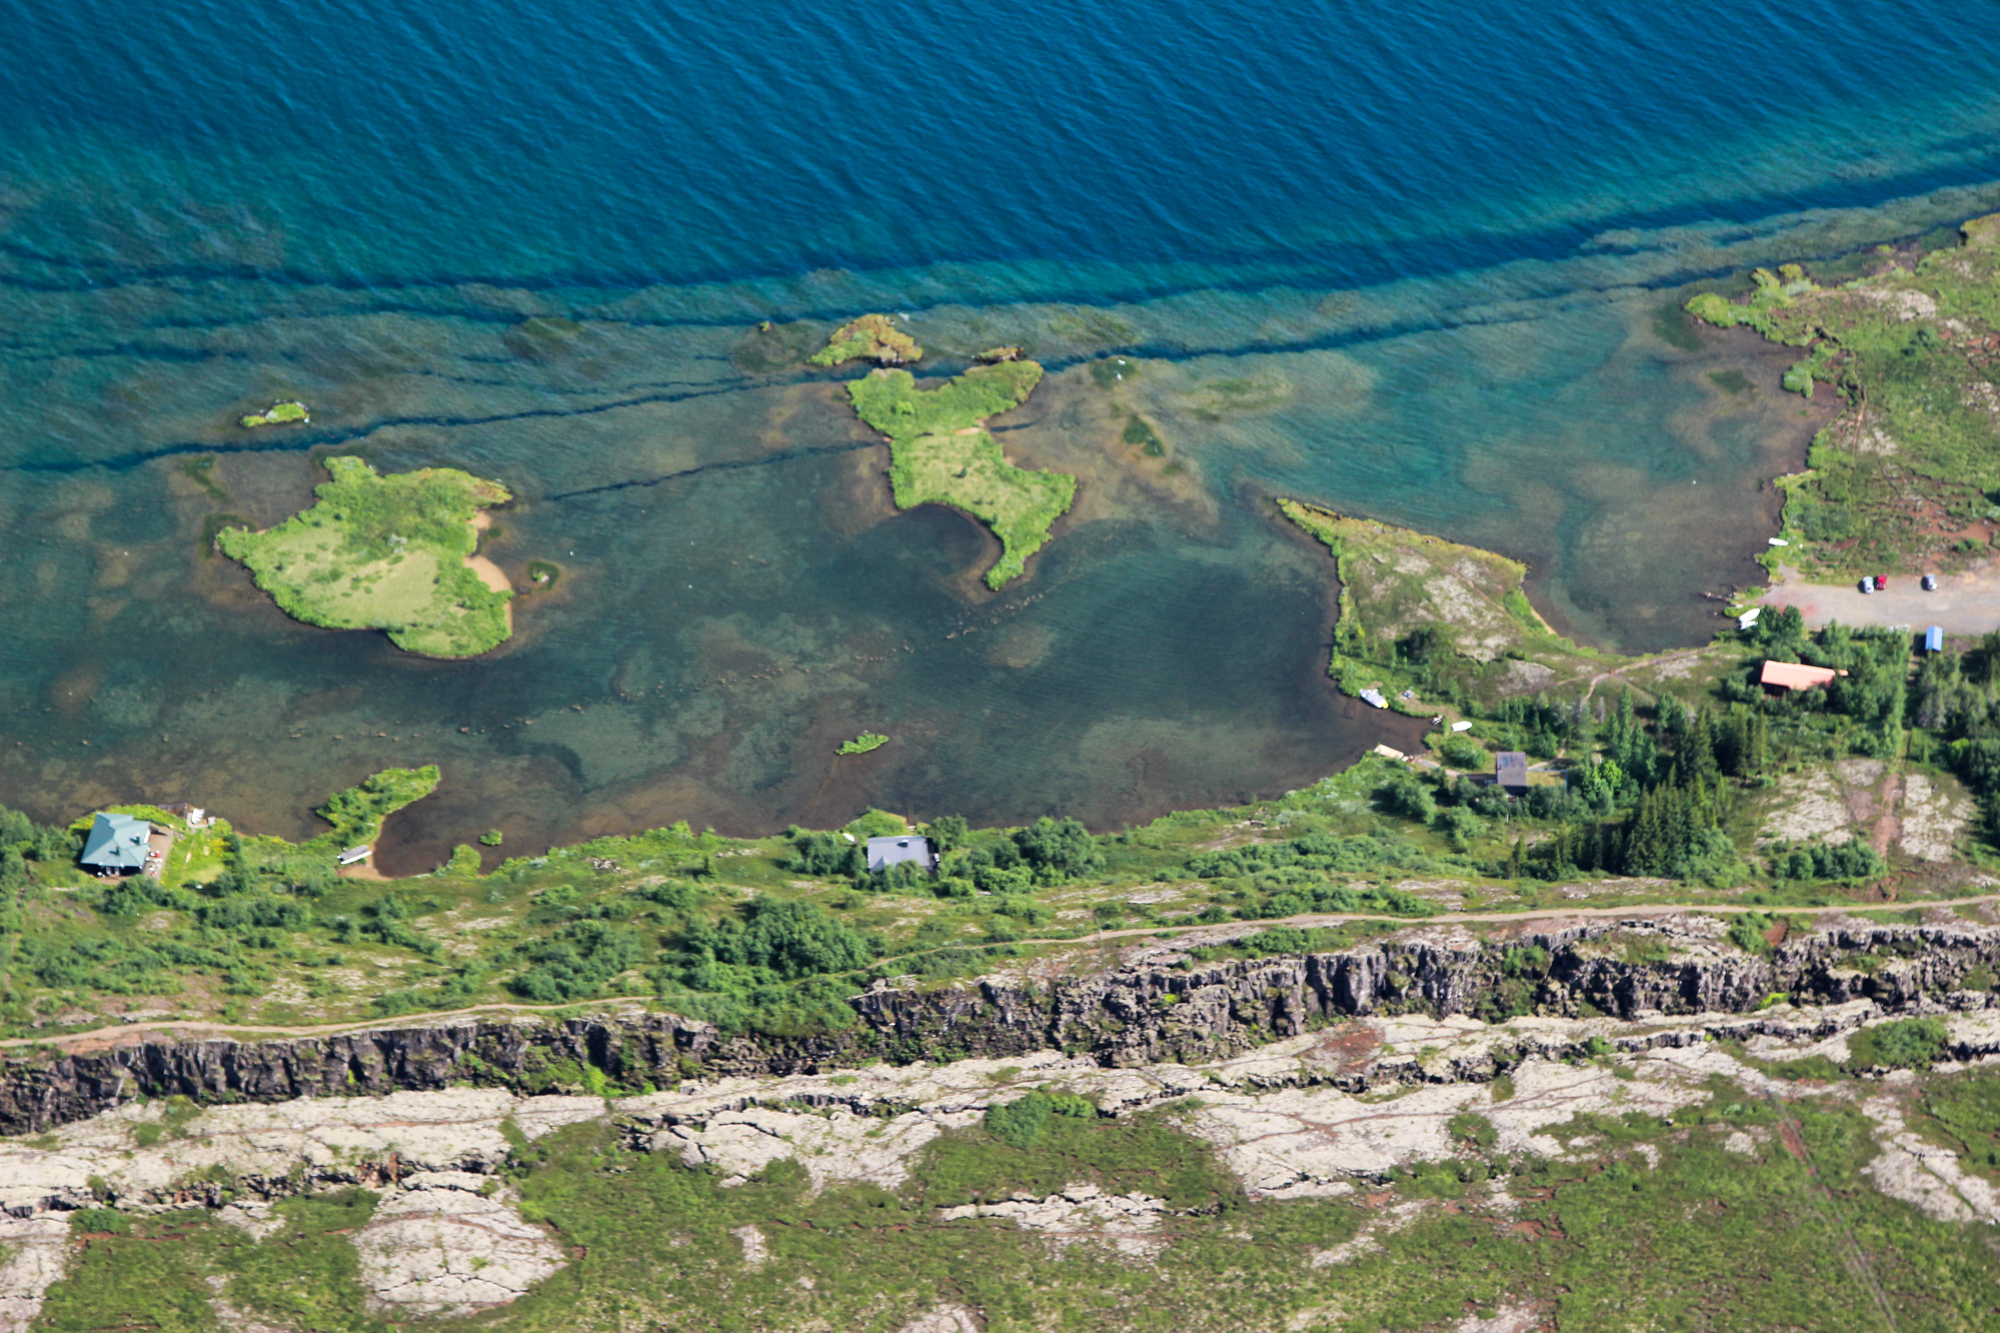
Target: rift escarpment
1164,1007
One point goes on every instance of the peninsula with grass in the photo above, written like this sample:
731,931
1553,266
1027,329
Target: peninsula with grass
1427,623
397,553
1906,477
941,452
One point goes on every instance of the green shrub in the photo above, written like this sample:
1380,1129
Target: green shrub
1461,751
1019,1123
787,940
100,1220
1279,939
1903,1043
1474,1129
1746,932
576,962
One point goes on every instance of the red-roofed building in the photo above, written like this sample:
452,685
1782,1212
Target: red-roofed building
1794,676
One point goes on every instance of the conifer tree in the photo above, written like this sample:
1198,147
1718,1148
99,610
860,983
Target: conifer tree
1694,749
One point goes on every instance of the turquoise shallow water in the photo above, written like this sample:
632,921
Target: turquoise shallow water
1410,267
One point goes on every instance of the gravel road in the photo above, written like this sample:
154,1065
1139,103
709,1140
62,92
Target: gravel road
1964,604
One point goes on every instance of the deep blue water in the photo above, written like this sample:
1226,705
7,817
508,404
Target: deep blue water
1345,144
1445,233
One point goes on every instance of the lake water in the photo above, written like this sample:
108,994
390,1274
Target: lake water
1411,266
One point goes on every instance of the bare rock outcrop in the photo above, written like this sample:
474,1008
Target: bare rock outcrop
36,1249
440,1246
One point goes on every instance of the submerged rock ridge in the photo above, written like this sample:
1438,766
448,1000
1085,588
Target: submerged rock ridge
1646,967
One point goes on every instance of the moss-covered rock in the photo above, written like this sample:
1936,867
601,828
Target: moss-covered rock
869,338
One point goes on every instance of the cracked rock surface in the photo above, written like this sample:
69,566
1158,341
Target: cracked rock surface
1080,1212
438,1247
332,1140
36,1248
1922,1173
1322,1113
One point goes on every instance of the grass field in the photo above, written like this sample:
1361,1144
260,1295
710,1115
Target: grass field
1736,1212
384,553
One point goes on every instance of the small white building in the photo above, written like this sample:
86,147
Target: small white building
354,856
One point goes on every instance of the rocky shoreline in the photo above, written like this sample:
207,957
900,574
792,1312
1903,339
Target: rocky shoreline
1161,1007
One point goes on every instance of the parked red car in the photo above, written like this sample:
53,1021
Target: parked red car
1881,582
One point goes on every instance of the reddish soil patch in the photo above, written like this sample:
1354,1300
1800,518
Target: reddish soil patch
1776,934
1888,828
1377,1200
1788,1134
1347,1048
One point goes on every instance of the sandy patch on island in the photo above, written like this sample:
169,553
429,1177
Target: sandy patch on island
489,573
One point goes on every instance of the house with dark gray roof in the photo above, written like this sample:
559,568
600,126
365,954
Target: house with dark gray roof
117,842
906,850
1510,770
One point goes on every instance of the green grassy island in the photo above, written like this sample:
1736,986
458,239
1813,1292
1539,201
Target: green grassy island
395,553
278,414
941,454
864,743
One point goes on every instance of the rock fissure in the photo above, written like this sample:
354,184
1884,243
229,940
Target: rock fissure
1115,1019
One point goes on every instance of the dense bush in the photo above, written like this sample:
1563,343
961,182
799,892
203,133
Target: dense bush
1902,1043
1019,1123
576,962
1057,850
1352,855
1325,897
826,854
787,940
124,966
1850,860
260,909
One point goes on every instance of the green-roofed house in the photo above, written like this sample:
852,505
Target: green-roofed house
117,842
